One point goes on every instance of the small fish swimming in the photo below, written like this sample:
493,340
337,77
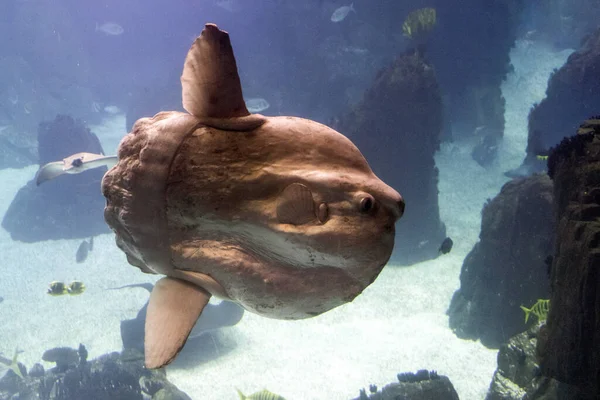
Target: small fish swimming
262,395
13,365
256,104
229,5
112,109
75,288
359,51
341,13
84,249
110,28
57,289
539,309
446,246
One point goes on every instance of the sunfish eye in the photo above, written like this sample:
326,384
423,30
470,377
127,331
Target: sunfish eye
323,212
77,162
367,204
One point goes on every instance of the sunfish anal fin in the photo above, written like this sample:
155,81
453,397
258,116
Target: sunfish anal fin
174,307
210,84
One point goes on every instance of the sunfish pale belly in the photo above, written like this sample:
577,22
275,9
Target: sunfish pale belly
282,215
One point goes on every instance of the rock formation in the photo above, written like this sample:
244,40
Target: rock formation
508,266
422,385
68,207
570,348
573,94
108,377
471,71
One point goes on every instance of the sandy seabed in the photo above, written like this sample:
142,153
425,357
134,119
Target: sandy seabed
398,324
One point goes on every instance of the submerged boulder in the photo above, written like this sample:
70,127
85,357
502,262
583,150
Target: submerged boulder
508,267
108,377
573,94
471,70
68,207
422,385
570,349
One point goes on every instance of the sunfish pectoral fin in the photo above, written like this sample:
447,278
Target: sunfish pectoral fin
174,307
295,205
210,82
48,172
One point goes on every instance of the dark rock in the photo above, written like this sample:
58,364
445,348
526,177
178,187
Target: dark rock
573,95
423,385
63,137
506,268
37,371
470,72
170,393
64,357
519,376
112,376
570,349
397,126
68,207
517,367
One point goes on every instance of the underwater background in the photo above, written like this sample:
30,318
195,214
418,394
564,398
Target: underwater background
75,76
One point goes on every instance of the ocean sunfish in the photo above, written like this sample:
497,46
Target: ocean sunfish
281,215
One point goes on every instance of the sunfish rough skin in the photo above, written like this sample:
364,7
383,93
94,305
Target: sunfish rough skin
281,215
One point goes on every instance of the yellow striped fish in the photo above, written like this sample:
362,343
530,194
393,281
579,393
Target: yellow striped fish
262,395
539,309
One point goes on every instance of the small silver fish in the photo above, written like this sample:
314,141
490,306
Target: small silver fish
110,28
257,104
359,51
341,13
112,109
229,5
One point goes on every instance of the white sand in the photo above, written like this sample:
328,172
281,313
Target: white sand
398,324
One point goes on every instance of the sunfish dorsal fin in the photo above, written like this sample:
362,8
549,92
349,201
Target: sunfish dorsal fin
173,310
210,83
